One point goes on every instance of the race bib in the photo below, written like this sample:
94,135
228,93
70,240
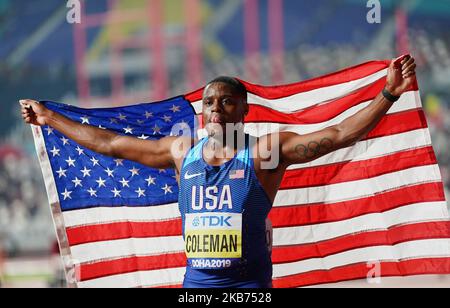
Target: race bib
213,240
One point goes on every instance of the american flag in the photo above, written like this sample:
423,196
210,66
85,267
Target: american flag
381,200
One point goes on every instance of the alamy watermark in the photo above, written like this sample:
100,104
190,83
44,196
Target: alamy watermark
374,14
73,15
374,273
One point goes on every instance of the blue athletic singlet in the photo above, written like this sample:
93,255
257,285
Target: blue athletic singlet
224,211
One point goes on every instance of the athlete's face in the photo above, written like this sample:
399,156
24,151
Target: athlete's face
222,105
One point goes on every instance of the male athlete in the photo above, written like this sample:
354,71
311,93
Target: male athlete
225,199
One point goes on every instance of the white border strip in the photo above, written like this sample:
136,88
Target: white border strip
55,208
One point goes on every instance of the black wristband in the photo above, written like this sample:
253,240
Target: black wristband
389,96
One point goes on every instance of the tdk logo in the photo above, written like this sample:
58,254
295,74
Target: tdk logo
211,221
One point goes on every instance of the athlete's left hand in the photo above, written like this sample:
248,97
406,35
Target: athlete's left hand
401,75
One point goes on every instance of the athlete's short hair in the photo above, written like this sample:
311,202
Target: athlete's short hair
237,85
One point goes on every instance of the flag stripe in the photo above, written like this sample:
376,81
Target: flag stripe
131,264
326,111
108,214
123,230
333,97
412,213
403,251
407,104
392,236
372,148
367,187
299,215
108,250
420,266
353,171
155,278
344,76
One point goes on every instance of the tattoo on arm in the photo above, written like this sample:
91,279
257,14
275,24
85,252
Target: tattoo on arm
314,149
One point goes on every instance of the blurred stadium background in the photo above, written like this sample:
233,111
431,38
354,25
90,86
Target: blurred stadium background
130,51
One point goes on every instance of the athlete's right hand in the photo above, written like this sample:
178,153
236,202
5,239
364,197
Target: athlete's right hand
33,112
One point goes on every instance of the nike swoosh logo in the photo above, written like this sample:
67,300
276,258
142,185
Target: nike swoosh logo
188,176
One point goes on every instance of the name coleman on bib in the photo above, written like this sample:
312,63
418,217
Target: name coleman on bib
213,235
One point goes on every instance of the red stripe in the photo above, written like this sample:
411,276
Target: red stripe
175,286
301,215
425,266
358,170
398,123
318,113
131,264
123,230
340,77
343,76
392,236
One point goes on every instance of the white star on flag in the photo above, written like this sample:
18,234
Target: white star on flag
61,172
86,172
167,189
101,182
156,129
77,182
65,141
66,194
124,182
143,137
85,120
113,121
110,172
151,181
70,162
79,150
128,130
116,192
148,114
49,130
122,117
94,162
119,162
140,192
92,192
175,109
55,152
167,119
134,171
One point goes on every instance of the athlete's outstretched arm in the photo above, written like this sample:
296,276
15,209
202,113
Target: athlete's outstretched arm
298,149
152,153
